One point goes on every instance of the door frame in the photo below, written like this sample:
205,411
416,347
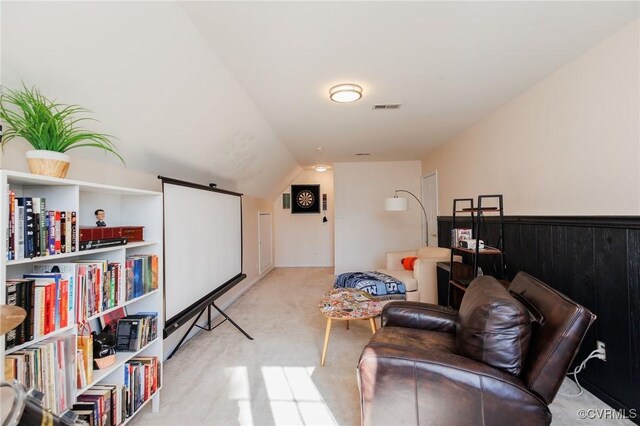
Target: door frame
262,268
435,203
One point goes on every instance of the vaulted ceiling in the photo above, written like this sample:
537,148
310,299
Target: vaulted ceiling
237,92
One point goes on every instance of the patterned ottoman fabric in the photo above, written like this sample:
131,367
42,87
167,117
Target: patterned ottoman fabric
377,284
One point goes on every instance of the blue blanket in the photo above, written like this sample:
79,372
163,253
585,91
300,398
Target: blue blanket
382,286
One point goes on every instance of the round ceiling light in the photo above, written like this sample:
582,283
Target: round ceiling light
321,168
345,93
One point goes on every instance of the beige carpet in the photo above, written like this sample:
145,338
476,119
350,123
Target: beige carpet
222,378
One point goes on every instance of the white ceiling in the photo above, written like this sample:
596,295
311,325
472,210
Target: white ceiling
448,63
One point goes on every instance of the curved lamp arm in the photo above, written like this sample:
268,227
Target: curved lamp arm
426,220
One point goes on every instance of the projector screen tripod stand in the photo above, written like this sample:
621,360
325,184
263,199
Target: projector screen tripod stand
208,326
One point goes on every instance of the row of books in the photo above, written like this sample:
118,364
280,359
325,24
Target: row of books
48,300
134,332
112,404
141,275
42,366
102,405
141,381
57,295
34,231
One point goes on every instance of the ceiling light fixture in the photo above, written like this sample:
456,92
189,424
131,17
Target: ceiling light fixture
321,168
345,93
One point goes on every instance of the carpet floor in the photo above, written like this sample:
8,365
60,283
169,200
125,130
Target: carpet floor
222,378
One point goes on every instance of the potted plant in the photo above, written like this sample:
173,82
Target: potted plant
50,128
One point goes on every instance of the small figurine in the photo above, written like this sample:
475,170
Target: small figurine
100,217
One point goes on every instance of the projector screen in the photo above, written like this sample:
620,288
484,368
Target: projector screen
202,247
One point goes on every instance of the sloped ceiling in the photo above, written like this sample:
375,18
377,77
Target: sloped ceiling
449,64
236,92
153,82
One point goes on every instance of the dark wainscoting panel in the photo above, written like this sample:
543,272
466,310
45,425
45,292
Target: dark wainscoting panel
596,262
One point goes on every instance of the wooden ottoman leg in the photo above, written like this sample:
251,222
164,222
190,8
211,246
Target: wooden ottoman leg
373,325
326,341
347,324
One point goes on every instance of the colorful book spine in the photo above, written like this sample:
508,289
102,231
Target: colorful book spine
63,232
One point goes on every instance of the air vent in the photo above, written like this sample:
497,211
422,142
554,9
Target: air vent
363,153
387,106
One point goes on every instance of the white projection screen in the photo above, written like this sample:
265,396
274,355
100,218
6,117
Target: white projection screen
202,248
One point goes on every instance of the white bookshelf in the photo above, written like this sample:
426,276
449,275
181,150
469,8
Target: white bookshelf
123,207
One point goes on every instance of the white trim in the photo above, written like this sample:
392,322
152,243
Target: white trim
262,268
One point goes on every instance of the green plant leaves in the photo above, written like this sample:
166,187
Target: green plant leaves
46,124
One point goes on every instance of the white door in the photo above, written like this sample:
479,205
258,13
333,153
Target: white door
430,201
265,254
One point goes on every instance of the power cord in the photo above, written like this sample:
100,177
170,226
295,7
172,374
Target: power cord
583,366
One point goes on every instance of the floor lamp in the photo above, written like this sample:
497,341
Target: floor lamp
399,204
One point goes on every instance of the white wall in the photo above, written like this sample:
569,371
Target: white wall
364,231
153,82
568,146
303,239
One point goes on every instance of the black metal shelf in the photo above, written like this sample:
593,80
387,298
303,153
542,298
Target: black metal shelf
476,216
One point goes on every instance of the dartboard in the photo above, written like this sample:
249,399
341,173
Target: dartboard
305,199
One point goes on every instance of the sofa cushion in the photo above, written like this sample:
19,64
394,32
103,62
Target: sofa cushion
408,262
403,275
493,327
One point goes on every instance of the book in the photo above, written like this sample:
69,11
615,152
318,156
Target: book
74,231
94,244
128,337
11,254
11,297
19,208
58,231
29,228
67,232
67,271
63,232
85,345
56,278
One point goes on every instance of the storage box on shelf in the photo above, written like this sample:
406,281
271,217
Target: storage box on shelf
127,278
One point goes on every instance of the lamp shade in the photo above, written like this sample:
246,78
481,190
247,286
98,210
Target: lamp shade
395,204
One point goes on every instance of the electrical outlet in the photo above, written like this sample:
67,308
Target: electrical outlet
600,346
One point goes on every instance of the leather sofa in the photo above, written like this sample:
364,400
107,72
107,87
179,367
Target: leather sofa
499,360
421,283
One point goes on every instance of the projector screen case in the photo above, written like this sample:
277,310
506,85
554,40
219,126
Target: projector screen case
202,248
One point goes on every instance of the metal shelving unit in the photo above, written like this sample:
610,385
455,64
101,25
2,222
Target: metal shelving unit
461,275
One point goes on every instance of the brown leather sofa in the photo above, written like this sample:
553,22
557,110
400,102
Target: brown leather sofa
499,360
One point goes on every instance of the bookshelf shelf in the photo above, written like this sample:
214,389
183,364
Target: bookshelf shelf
124,207
126,303
56,257
40,339
121,358
487,251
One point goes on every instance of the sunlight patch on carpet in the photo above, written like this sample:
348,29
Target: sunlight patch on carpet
294,399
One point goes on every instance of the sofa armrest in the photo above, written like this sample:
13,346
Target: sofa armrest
394,258
400,385
424,316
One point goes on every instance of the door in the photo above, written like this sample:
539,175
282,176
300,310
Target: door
265,244
430,201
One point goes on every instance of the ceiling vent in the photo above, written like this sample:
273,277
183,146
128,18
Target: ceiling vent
387,106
